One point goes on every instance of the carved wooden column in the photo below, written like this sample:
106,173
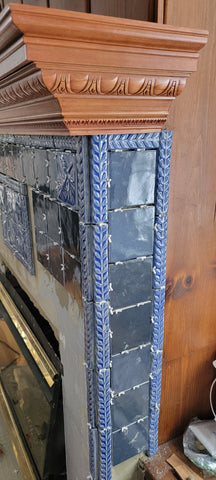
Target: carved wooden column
65,74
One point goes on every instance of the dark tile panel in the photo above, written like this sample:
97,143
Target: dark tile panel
131,282
52,172
129,442
3,168
131,327
130,369
27,156
132,175
132,233
130,407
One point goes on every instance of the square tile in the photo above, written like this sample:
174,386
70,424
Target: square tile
132,175
69,221
130,369
40,219
131,327
52,211
42,248
27,156
129,442
56,262
131,283
132,233
130,407
72,271
9,160
41,169
66,178
52,172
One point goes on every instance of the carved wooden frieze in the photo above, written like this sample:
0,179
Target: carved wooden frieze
74,73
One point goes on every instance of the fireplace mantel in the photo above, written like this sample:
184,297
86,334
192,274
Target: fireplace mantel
72,73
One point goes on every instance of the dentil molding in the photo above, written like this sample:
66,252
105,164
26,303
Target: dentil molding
75,73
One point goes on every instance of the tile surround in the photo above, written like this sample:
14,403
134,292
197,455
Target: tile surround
101,243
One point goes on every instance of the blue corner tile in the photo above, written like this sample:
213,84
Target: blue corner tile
129,442
89,332
132,175
131,327
133,141
100,262
91,397
131,283
98,178
103,399
105,449
86,254
93,452
130,407
130,368
102,335
132,233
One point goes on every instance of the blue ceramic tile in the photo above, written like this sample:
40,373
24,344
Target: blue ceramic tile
86,260
66,178
56,262
133,141
2,159
69,222
27,156
42,248
129,442
40,219
132,175
9,160
41,169
131,283
52,210
72,272
130,407
132,233
130,369
52,172
2,197
18,167
131,327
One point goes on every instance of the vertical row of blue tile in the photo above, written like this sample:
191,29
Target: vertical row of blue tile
159,282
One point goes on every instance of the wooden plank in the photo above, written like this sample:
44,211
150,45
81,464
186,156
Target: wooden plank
185,472
138,9
76,5
160,11
190,308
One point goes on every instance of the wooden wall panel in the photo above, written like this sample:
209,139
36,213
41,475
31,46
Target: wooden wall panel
39,3
77,5
190,308
136,9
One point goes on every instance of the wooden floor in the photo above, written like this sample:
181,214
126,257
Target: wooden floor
9,469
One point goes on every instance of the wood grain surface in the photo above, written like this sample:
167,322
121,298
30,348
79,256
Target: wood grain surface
190,309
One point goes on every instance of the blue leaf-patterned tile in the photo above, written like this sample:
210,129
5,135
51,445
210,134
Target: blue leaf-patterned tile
130,441
69,222
66,178
93,449
132,233
52,209
131,283
89,333
86,254
98,178
163,170
130,368
102,335
130,407
100,262
133,141
105,450
72,272
103,399
132,175
131,327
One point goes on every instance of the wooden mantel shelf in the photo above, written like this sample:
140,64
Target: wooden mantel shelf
69,73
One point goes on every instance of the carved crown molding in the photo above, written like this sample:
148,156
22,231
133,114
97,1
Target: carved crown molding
74,73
